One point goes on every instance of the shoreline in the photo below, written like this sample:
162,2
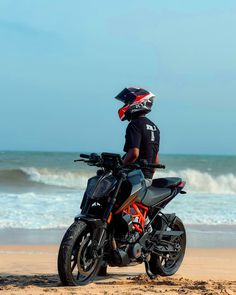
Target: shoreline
198,236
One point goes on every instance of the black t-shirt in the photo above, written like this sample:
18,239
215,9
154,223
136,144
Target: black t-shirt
142,133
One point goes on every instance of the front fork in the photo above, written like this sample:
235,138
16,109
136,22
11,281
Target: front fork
98,228
111,200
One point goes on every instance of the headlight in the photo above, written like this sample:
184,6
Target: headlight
100,186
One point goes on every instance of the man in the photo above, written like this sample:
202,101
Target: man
142,135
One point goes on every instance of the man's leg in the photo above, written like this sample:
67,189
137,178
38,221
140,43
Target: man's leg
103,270
148,182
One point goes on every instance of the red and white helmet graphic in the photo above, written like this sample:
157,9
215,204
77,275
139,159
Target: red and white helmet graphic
137,101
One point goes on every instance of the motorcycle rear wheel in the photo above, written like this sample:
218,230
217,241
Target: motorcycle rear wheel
76,262
168,264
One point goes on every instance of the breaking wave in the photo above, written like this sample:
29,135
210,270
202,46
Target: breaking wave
203,182
196,181
30,175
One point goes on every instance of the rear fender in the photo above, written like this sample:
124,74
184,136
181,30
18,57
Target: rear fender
180,187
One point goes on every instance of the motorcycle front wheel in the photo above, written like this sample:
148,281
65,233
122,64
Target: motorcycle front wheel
168,263
77,264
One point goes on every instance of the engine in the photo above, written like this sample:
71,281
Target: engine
127,249
125,231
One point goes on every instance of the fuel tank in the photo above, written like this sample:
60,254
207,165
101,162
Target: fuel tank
132,190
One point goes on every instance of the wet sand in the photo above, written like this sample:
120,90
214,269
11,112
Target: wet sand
200,236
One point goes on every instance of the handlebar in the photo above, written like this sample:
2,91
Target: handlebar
101,161
159,166
144,164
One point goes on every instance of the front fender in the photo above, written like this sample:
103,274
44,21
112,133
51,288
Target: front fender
98,228
91,221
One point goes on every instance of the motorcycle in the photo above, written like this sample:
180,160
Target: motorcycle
121,223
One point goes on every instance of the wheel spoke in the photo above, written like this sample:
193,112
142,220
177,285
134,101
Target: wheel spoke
85,263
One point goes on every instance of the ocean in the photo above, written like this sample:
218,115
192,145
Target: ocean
43,190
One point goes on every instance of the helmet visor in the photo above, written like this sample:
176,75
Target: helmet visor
126,96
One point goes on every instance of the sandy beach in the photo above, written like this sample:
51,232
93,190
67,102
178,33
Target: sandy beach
31,269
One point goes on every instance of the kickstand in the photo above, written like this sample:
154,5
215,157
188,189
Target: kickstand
148,271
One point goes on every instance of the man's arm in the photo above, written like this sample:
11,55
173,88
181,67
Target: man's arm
133,139
157,159
131,156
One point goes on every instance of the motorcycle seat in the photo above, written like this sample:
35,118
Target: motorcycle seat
155,195
168,182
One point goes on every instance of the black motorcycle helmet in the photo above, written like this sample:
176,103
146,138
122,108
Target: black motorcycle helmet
138,101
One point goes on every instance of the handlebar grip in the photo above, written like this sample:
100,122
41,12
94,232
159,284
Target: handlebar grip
84,156
159,166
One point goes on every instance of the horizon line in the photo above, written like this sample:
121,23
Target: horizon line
83,151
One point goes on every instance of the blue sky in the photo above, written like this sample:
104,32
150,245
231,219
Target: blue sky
62,62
